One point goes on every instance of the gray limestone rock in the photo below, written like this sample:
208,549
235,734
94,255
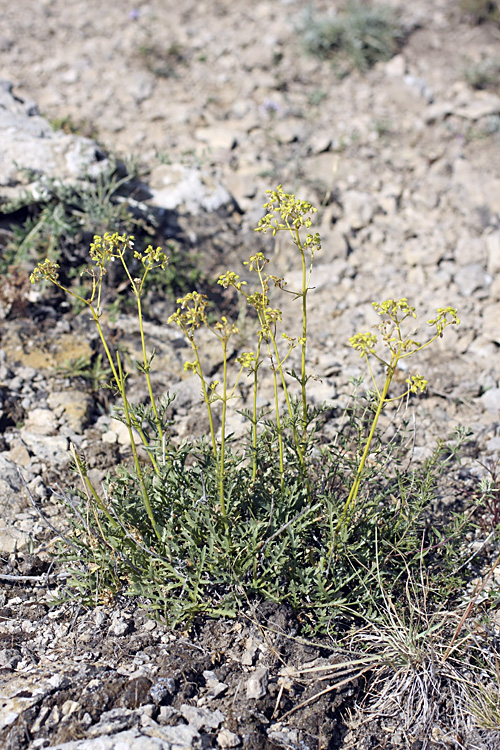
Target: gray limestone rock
491,400
175,186
257,683
225,738
52,448
202,718
171,738
359,208
11,502
32,150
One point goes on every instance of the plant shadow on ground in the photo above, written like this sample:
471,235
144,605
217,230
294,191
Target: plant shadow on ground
58,221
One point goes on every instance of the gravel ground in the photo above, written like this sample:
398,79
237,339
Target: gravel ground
403,163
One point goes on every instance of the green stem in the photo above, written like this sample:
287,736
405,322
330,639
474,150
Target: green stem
357,479
304,338
120,383
223,434
279,367
146,370
89,486
254,412
205,397
138,469
280,431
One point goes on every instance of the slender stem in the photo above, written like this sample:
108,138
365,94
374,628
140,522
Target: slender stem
94,311
205,397
254,411
89,486
138,469
304,337
146,369
370,370
120,383
223,432
279,367
280,430
357,479
273,350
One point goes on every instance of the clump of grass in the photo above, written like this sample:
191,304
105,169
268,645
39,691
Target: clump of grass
484,704
424,668
90,369
206,525
75,127
58,220
59,215
162,61
481,11
359,36
484,74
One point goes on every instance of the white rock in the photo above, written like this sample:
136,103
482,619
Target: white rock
53,449
319,143
493,445
481,105
470,250
491,400
218,137
74,406
121,431
171,738
69,707
358,208
201,718
483,347
248,656
29,144
242,186
256,685
471,277
41,422
289,131
321,392
491,322
396,66
475,187
493,249
109,437
10,488
119,625
174,186
225,738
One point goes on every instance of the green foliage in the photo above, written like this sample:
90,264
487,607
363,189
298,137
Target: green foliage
207,525
90,369
359,36
70,126
481,11
59,215
484,74
56,222
278,548
162,61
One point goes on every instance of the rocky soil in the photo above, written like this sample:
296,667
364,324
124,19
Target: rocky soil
216,101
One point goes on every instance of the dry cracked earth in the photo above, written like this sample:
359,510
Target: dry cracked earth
216,102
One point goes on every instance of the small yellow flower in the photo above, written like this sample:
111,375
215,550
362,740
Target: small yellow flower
417,383
246,360
45,270
293,212
364,343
